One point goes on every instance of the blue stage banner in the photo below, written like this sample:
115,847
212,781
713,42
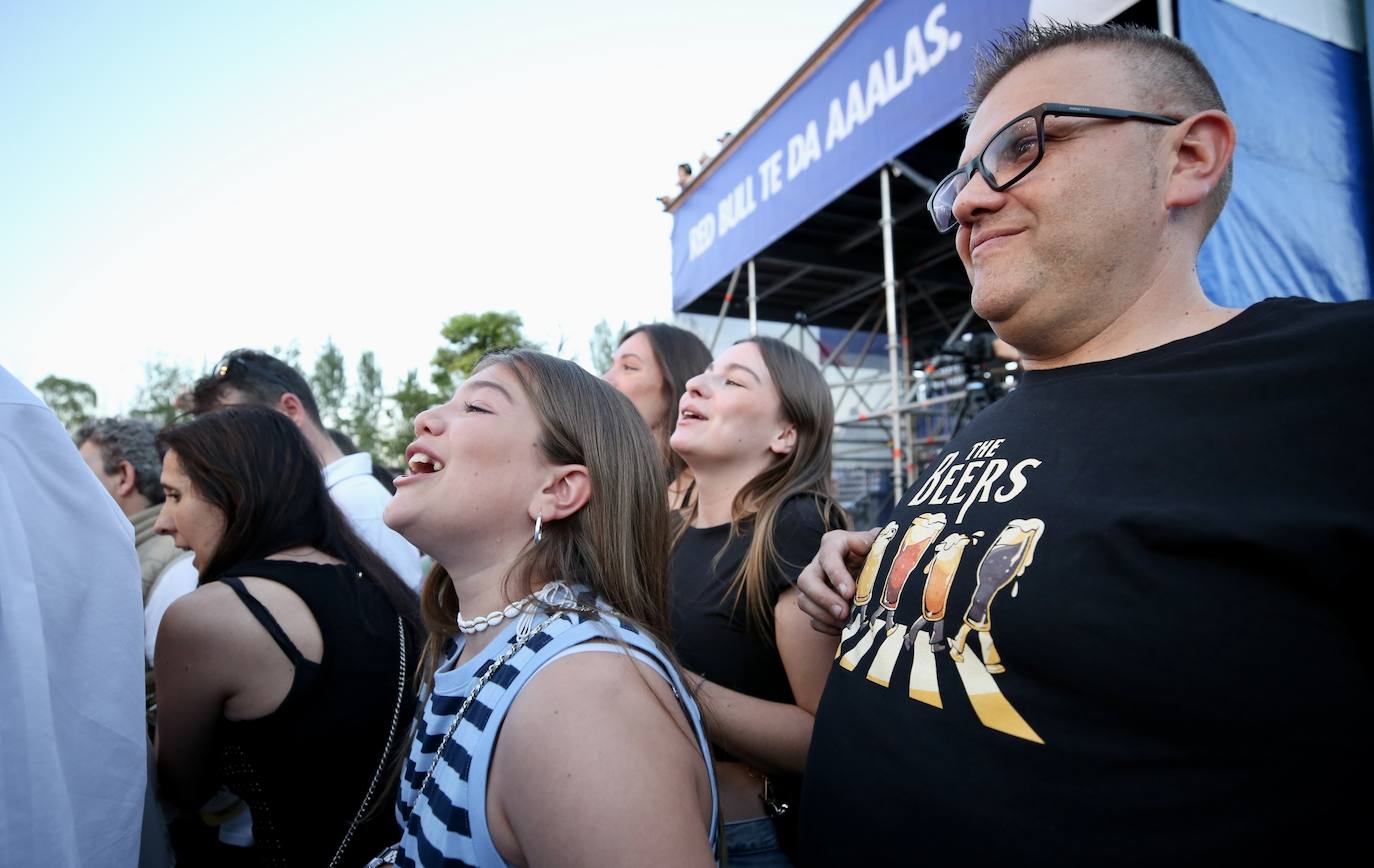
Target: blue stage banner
900,75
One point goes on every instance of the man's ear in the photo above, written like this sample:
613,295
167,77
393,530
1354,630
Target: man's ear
126,479
1204,144
568,489
291,406
784,441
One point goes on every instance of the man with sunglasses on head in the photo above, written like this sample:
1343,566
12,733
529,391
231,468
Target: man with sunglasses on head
253,377
1135,640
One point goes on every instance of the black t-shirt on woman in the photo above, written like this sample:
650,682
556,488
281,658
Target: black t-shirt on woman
711,628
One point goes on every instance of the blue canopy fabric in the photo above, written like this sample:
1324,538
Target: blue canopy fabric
1298,219
899,75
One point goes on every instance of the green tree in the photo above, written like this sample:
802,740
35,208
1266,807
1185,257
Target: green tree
365,412
72,400
468,337
329,382
408,401
603,344
159,398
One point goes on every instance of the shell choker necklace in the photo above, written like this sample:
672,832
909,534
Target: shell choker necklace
469,626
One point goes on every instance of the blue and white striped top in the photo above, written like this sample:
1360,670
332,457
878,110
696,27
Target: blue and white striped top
446,824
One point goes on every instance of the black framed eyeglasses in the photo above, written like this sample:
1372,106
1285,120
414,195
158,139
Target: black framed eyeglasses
1016,149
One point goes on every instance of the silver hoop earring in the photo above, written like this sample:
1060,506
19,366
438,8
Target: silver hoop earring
539,527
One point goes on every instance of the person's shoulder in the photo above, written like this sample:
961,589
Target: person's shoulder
1307,318
205,614
809,512
593,693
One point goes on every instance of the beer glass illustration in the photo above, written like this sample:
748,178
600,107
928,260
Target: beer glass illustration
863,589
939,576
923,531
1008,557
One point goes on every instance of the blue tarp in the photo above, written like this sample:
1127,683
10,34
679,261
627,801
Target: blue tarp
897,77
1298,219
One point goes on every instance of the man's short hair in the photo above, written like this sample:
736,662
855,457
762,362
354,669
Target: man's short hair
1169,73
686,167
131,440
261,378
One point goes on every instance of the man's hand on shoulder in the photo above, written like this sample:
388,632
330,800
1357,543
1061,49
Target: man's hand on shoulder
827,583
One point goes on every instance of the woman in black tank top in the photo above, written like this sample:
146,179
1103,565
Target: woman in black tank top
286,676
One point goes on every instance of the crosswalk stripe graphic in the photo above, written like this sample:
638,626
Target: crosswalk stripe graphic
925,686
850,660
881,670
989,704
849,631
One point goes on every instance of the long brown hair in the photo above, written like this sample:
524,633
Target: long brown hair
616,544
681,355
255,467
805,471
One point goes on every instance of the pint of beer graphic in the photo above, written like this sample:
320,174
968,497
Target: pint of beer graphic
923,531
1008,557
863,591
940,575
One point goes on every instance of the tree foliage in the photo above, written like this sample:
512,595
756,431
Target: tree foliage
290,354
72,400
603,344
408,401
329,382
365,411
159,399
469,336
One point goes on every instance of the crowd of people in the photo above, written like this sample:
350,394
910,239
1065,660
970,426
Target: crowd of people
650,635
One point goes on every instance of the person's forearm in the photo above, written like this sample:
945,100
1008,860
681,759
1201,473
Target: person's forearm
771,736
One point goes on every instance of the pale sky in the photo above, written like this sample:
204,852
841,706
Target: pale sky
184,178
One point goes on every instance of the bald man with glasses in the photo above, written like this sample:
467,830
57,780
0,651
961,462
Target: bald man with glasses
1164,526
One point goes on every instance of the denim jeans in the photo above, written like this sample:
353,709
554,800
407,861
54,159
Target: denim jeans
754,844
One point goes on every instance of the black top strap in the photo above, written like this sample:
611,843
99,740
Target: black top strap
265,618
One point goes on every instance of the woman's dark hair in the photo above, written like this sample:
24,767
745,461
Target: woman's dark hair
681,356
255,467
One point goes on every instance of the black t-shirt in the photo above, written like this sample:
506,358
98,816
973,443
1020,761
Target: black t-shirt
1150,569
711,629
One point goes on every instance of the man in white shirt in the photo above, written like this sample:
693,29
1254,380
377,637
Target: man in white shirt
73,747
253,377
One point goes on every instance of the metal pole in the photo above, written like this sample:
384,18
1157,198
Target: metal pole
1166,17
890,296
909,442
753,303
724,308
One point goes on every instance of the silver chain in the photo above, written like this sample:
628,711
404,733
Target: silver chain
386,751
472,696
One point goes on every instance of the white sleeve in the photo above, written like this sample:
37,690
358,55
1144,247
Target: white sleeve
362,501
73,768
179,578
